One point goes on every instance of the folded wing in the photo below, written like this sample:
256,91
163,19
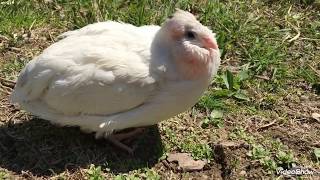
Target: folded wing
94,74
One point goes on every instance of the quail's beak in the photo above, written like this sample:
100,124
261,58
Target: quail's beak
209,43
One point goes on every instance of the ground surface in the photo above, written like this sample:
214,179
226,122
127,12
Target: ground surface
257,116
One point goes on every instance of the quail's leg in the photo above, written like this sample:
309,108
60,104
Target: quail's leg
117,138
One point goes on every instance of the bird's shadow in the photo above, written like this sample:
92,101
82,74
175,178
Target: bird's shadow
43,149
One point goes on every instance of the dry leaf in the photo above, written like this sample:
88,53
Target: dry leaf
186,162
316,116
229,144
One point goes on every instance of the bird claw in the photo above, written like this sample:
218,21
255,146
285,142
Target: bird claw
117,138
120,145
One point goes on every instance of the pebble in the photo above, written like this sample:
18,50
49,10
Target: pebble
242,173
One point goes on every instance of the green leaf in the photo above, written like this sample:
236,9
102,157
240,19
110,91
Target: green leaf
95,173
285,157
120,177
215,119
236,83
205,123
268,163
151,174
228,79
243,75
274,73
221,93
258,152
316,152
241,95
231,93
216,114
211,101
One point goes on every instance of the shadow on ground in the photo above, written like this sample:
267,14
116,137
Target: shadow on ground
43,149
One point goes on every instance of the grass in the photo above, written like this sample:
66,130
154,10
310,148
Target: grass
263,96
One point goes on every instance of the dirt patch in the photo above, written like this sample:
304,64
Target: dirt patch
234,162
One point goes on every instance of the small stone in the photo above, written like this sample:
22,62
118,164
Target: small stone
186,162
242,173
43,39
304,98
204,177
306,126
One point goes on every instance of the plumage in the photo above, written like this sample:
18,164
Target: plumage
110,76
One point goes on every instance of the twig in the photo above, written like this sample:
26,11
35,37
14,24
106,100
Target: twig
316,71
4,37
5,83
5,88
51,37
296,36
232,144
31,26
5,92
297,114
267,125
244,49
262,77
6,80
167,165
310,39
15,49
95,6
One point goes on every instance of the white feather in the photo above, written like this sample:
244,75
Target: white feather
105,77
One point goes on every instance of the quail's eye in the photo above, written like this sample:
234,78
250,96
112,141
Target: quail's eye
190,35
